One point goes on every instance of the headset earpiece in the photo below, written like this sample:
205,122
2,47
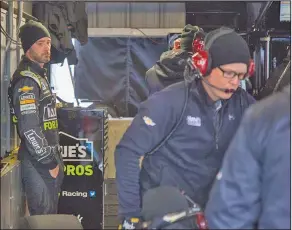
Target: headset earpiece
251,68
202,60
198,40
198,45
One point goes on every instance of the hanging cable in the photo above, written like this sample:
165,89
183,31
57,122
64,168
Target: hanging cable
281,77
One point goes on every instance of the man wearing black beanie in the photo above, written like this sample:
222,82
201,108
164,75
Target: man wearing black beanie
229,60
33,111
180,134
169,69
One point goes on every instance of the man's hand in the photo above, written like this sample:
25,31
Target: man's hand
54,172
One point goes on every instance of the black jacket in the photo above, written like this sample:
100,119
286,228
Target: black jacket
192,156
64,20
33,110
168,70
253,186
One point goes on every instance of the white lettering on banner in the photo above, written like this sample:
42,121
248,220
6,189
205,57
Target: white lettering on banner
26,96
36,141
27,107
77,194
79,217
78,151
74,151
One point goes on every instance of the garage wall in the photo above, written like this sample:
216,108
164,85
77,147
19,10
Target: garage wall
27,6
9,137
135,15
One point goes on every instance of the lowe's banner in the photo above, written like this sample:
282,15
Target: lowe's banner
82,142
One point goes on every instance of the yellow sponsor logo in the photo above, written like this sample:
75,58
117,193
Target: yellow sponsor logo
135,220
29,101
78,170
14,119
49,125
25,89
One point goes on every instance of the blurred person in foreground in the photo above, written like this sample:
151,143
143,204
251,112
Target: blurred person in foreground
253,187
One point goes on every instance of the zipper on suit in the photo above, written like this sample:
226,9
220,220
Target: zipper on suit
217,123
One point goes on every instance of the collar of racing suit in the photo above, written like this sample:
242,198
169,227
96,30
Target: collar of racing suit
34,66
198,89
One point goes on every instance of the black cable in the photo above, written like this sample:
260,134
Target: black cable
281,77
147,36
9,37
188,84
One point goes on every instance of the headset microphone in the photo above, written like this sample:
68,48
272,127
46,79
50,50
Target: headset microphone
196,74
215,87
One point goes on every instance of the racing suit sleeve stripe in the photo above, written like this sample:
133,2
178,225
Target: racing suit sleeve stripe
26,107
152,123
234,201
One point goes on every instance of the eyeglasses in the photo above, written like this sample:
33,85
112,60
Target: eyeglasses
231,74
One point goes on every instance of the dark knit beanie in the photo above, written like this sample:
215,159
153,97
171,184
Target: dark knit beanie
189,33
228,48
30,32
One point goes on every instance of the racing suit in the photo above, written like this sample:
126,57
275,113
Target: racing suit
33,110
190,158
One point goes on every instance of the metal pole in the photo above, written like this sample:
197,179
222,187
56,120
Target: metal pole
19,20
257,59
263,11
6,76
267,61
265,76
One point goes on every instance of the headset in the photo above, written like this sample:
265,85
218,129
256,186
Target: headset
197,44
199,65
202,61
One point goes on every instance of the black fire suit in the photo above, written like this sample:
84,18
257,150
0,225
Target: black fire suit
33,110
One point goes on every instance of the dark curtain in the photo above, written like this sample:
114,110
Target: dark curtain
113,70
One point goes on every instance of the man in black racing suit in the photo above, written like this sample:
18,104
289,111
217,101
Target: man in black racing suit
33,110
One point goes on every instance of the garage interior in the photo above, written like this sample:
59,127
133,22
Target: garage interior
99,79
